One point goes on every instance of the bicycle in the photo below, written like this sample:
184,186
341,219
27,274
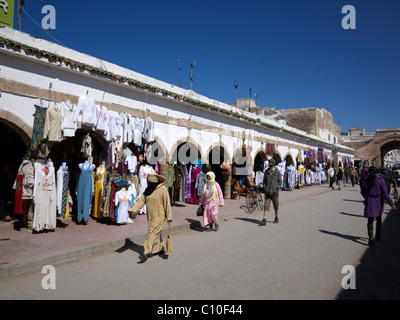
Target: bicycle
254,199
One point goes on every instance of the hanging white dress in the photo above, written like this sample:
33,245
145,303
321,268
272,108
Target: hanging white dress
144,171
123,199
68,125
138,125
45,215
86,111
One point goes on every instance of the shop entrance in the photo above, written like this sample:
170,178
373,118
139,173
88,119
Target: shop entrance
216,159
13,150
69,151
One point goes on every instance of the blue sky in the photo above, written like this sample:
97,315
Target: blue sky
291,53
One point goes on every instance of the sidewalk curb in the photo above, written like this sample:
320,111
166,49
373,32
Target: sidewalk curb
37,263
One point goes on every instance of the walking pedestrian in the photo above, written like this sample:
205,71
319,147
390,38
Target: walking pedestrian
353,176
211,199
332,177
158,205
339,178
272,183
373,189
389,181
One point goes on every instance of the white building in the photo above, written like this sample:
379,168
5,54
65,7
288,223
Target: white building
38,72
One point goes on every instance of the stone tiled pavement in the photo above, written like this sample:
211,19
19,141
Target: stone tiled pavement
21,251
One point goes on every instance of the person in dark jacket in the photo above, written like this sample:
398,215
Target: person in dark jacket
272,183
373,189
339,178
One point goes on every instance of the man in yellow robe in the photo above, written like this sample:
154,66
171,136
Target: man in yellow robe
158,205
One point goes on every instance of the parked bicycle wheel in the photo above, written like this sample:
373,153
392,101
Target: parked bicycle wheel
251,202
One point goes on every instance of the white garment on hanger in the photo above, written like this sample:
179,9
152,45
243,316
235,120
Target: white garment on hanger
53,124
144,171
69,124
138,126
114,124
102,125
123,200
45,215
59,190
148,131
86,111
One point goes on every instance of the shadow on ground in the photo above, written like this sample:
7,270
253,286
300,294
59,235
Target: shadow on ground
378,274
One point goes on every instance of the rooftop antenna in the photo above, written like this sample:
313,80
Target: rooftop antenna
180,78
191,74
236,84
249,101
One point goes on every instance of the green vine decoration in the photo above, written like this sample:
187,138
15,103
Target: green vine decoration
138,84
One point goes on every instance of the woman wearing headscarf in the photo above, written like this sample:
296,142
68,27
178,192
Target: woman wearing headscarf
211,199
373,189
156,199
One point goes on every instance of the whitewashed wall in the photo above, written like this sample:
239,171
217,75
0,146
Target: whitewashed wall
38,72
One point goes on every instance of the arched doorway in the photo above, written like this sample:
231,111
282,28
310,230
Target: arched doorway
185,160
68,151
13,151
289,160
216,158
385,149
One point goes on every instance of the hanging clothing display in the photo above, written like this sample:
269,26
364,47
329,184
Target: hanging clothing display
193,193
68,125
148,130
86,111
102,123
18,193
114,125
53,123
171,182
23,186
59,185
201,181
87,146
144,171
38,128
138,126
85,191
176,183
182,184
62,188
188,185
45,215
123,201
130,160
65,191
127,127
100,171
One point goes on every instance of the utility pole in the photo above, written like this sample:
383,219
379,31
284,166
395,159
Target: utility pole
191,75
180,78
249,100
20,4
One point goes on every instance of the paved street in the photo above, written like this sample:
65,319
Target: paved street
300,258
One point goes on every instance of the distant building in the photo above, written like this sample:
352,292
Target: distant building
315,121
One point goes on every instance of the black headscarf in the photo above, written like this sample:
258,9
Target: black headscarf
151,186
